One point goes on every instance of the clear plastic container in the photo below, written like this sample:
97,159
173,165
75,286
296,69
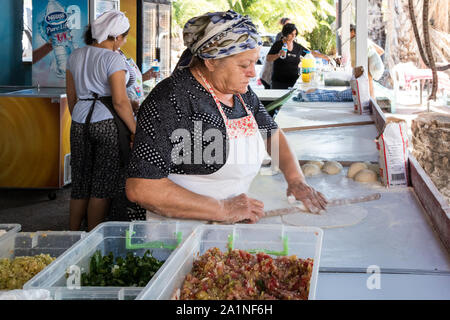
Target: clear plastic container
7,230
62,277
304,242
54,243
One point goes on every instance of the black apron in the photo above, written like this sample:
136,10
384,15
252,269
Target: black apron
124,132
121,208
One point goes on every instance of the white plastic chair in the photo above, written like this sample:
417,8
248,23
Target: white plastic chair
399,79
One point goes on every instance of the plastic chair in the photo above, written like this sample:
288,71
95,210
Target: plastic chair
398,75
408,77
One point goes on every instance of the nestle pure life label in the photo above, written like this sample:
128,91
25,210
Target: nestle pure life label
60,23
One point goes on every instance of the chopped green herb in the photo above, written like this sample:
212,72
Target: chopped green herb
131,271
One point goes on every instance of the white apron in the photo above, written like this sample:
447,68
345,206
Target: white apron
246,153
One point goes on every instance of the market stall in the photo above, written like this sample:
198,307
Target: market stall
387,243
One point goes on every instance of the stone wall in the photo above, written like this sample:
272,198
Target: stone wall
431,148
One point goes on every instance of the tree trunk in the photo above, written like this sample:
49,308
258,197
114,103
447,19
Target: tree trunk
429,51
400,39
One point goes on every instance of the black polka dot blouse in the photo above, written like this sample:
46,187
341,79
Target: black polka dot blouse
172,128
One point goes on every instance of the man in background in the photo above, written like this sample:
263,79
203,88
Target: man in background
376,67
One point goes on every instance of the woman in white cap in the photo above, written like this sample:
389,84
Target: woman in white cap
103,124
199,140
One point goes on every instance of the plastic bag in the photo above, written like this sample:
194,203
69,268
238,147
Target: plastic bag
376,66
392,146
360,91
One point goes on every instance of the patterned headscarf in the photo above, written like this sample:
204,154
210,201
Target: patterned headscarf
220,34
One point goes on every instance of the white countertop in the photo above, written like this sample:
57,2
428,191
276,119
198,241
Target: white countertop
354,143
395,234
353,286
299,114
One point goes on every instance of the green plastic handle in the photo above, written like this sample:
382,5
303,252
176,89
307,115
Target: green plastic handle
152,244
285,251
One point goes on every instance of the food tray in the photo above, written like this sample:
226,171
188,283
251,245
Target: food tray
60,278
10,229
53,243
304,242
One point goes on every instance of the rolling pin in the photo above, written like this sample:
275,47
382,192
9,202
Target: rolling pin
297,208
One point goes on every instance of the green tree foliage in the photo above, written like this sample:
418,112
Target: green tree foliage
323,37
183,10
310,16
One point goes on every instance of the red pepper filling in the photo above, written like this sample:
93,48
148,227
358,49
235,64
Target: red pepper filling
238,274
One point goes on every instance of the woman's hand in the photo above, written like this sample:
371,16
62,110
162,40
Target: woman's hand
241,208
313,200
135,106
149,74
327,58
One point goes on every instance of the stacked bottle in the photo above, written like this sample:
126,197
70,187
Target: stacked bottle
308,67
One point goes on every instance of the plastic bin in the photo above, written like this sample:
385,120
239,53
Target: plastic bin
62,277
7,230
53,243
305,242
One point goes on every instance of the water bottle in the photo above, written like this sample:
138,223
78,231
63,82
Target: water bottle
55,27
285,49
308,67
155,68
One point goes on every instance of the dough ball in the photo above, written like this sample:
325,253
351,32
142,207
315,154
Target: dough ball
317,163
332,167
310,169
366,175
355,168
374,167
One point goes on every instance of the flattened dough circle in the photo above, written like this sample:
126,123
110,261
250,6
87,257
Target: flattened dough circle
334,217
